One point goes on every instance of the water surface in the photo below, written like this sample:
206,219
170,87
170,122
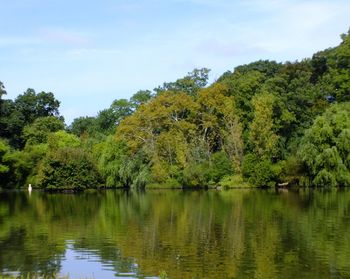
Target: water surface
187,234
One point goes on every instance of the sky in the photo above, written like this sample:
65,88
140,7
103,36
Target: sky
89,53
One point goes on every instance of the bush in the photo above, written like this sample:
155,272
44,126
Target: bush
194,175
68,168
219,167
260,172
233,181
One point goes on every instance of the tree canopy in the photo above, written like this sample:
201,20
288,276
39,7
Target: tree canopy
261,124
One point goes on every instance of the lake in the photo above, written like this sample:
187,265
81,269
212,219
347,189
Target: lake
183,234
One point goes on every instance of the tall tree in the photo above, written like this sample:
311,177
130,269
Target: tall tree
141,97
2,90
32,105
23,111
262,133
83,125
190,84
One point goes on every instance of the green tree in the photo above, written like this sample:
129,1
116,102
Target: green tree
106,122
266,67
121,108
141,97
118,167
38,131
62,139
68,169
2,90
262,133
111,156
242,87
190,84
83,125
32,105
339,68
4,149
19,166
23,111
325,148
260,172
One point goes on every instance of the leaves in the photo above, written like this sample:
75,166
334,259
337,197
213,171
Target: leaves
262,133
325,147
265,120
38,131
68,168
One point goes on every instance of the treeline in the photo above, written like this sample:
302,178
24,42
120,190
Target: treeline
265,123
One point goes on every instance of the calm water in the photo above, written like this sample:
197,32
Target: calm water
187,234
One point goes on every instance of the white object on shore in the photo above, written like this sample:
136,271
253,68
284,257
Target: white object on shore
30,187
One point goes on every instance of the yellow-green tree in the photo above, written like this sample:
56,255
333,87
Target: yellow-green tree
262,135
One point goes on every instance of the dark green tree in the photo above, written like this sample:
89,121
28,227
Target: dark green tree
38,131
23,111
141,97
83,125
190,84
68,169
2,90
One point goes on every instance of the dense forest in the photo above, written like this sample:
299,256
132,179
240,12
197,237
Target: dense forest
261,125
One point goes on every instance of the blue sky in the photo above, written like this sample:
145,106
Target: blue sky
89,53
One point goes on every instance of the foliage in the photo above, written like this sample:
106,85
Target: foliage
27,107
2,90
4,149
118,168
338,62
38,131
141,97
62,139
83,125
262,136
106,120
22,166
19,166
189,84
266,67
220,166
325,148
233,181
68,169
260,172
261,122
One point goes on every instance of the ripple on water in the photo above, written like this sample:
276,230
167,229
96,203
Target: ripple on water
203,234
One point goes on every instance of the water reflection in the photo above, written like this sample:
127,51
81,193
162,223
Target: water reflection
82,263
188,234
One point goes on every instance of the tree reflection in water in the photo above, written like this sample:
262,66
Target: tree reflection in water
188,234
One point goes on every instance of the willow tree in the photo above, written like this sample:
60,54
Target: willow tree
325,148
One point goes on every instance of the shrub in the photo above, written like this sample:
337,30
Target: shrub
68,168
